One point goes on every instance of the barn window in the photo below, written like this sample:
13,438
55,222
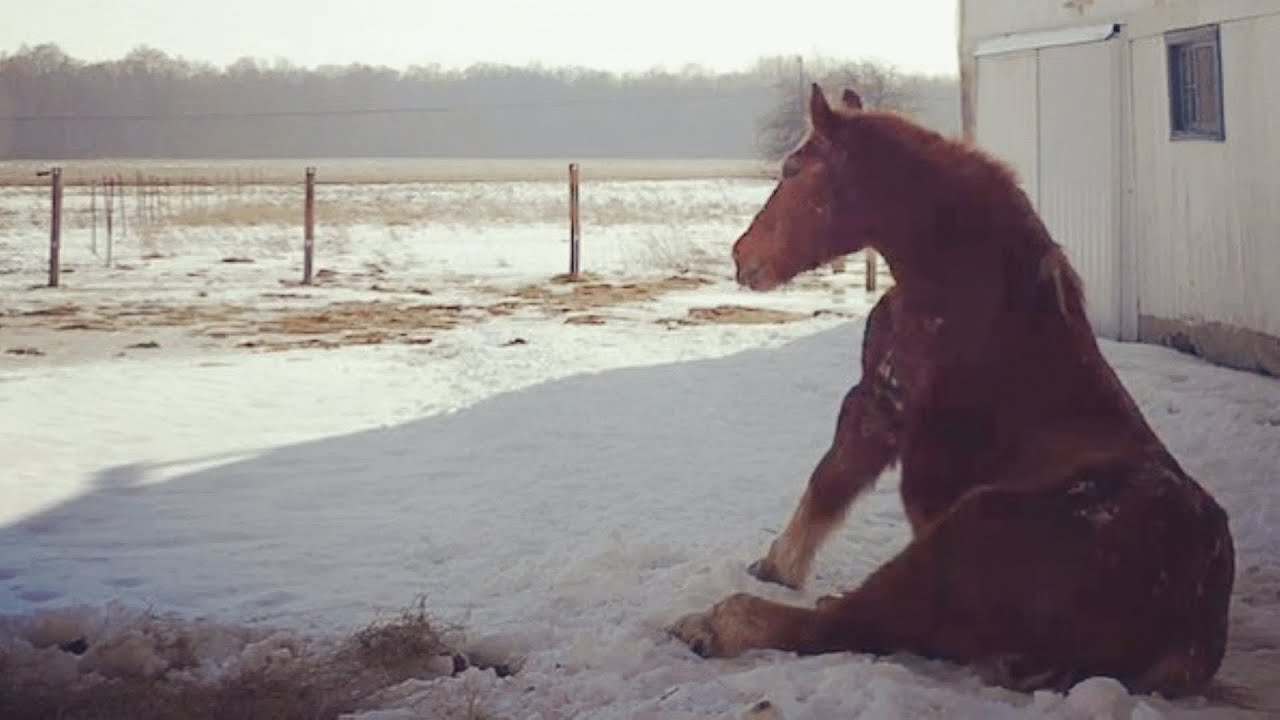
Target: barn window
1195,84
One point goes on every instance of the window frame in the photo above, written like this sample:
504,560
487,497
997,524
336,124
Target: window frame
1177,43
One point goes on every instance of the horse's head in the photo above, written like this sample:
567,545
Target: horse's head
817,211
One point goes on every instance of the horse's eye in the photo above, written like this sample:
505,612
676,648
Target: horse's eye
791,167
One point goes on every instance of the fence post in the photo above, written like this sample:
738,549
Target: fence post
309,226
123,194
870,257
109,205
93,217
575,229
55,224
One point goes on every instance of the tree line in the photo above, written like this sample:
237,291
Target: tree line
151,104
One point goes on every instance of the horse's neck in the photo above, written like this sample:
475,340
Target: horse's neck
994,299
974,254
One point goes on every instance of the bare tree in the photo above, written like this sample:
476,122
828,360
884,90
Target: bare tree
784,126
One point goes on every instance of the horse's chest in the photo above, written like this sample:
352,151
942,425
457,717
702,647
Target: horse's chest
910,365
942,404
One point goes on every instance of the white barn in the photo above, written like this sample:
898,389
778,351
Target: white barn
1147,133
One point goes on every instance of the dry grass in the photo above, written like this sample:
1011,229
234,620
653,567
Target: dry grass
481,204
351,323
237,213
390,319
588,295
308,685
345,211
395,320
737,315
672,253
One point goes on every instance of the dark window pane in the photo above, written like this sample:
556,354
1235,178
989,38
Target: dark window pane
1195,92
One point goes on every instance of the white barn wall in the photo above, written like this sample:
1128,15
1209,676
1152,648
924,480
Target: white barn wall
984,19
1081,170
1199,249
990,18
1050,113
1208,213
1010,80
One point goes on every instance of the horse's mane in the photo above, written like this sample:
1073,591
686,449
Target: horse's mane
1055,281
950,155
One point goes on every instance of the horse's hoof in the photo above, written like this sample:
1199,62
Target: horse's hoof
763,571
695,631
760,570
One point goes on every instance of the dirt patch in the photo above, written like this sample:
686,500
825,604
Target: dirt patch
737,315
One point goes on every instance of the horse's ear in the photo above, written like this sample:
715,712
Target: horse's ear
851,99
820,114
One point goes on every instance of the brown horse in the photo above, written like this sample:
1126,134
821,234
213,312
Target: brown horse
1054,536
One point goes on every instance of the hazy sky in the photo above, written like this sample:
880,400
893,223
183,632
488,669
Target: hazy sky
915,35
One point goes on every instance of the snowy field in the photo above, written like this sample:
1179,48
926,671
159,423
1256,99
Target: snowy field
559,469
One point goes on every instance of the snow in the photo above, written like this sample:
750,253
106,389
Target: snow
563,499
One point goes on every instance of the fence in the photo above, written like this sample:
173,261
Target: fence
153,200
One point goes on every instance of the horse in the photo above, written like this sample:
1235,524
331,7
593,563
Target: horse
1053,535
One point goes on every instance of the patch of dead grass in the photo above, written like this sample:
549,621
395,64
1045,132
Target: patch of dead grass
364,322
673,253
237,213
24,350
586,319
737,315
464,206
584,295
309,684
52,311
387,318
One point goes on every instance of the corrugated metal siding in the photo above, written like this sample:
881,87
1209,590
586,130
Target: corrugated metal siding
1007,92
1207,214
1080,171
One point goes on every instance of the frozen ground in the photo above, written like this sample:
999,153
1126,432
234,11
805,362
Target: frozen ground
561,490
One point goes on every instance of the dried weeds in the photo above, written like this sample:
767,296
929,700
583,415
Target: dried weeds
286,684
737,315
586,295
392,319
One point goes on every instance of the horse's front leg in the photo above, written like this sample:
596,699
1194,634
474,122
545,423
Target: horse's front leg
864,446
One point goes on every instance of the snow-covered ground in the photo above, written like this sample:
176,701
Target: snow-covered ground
562,491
